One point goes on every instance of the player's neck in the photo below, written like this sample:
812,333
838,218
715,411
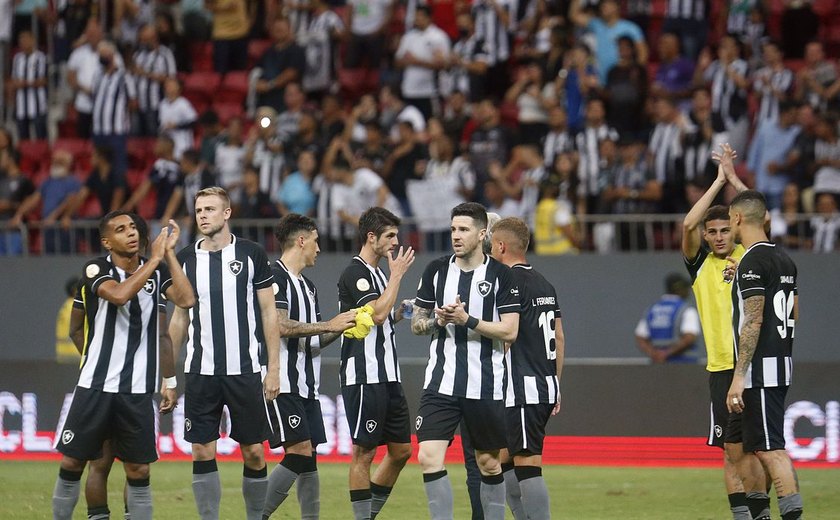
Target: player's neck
128,263
294,263
218,240
369,256
470,262
515,260
751,236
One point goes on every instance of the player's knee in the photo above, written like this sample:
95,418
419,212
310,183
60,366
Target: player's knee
71,464
429,459
400,453
136,471
363,455
488,462
253,455
204,451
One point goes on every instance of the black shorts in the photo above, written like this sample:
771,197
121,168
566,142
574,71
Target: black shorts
763,419
128,420
526,428
294,419
719,383
377,414
206,396
440,414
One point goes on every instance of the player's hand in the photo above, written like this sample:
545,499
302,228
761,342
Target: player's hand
730,269
174,234
271,385
659,357
342,322
399,264
455,312
735,397
159,245
556,409
168,401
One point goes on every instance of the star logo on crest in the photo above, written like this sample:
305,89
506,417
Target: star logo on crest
294,421
235,267
484,287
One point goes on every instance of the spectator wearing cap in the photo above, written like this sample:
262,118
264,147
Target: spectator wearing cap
231,24
668,331
768,154
283,63
422,53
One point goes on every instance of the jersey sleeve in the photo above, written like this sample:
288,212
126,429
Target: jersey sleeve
507,298
279,286
96,272
357,286
642,329
165,277
693,265
690,322
262,269
752,276
426,290
78,300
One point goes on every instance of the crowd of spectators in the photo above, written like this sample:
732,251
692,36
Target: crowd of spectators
550,110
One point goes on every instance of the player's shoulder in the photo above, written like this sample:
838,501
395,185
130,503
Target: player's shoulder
441,261
249,246
185,253
355,268
279,270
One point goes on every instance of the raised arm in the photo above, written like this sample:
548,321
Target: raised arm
691,236
181,292
398,266
119,293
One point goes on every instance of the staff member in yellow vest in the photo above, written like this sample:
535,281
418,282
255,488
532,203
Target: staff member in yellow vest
710,255
554,221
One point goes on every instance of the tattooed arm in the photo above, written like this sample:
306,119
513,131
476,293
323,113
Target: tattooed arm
422,322
327,331
747,344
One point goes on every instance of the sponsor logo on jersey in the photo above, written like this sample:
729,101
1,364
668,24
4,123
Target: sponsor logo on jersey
750,276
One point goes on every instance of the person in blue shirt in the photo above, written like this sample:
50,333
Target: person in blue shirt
295,194
669,329
607,28
768,153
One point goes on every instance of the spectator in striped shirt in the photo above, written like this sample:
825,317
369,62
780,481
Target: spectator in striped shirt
114,96
772,83
29,84
153,64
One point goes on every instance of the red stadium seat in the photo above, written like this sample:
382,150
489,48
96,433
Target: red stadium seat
234,88
357,82
228,111
82,149
141,152
33,155
134,177
202,84
201,56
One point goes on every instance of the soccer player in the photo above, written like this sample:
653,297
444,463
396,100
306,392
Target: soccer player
375,404
295,415
535,364
709,251
765,305
233,286
119,373
476,312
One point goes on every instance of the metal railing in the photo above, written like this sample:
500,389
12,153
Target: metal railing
597,234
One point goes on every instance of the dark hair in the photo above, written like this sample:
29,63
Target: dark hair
106,153
471,209
290,226
754,206
787,104
717,212
142,230
421,8
675,283
70,286
104,221
208,118
192,155
376,220
341,163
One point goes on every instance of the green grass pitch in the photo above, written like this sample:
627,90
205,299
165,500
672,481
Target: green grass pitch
576,493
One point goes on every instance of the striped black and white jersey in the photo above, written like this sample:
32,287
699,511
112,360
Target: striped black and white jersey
666,150
766,82
554,144
373,359
463,363
729,102
588,142
225,330
531,359
766,270
160,62
121,341
111,93
316,38
30,102
492,30
300,358
688,9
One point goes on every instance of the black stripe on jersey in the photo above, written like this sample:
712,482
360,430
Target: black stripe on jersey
242,303
217,316
153,332
461,358
437,373
135,323
308,368
487,351
195,321
293,344
100,373
382,373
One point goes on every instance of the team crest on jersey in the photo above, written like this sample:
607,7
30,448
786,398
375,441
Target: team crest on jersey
67,436
235,267
718,431
484,287
149,286
187,424
294,421
418,422
370,426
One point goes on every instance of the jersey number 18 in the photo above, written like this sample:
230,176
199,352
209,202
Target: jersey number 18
547,325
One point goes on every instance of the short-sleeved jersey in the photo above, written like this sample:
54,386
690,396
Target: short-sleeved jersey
714,304
225,330
766,270
373,359
463,363
532,358
300,358
121,341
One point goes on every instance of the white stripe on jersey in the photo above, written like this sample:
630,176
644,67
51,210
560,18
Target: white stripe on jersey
305,308
764,420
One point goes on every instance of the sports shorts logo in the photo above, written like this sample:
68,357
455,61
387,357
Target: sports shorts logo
484,287
718,431
187,424
149,286
67,436
418,422
294,421
370,426
235,267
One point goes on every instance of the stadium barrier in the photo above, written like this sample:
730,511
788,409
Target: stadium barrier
612,415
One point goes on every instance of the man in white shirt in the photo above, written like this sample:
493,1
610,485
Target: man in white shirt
369,20
423,51
82,68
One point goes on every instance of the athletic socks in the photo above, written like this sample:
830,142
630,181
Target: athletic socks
99,513
738,506
512,492
207,488
439,494
379,495
309,490
360,502
254,485
534,492
281,479
759,505
791,506
140,498
493,496
66,494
